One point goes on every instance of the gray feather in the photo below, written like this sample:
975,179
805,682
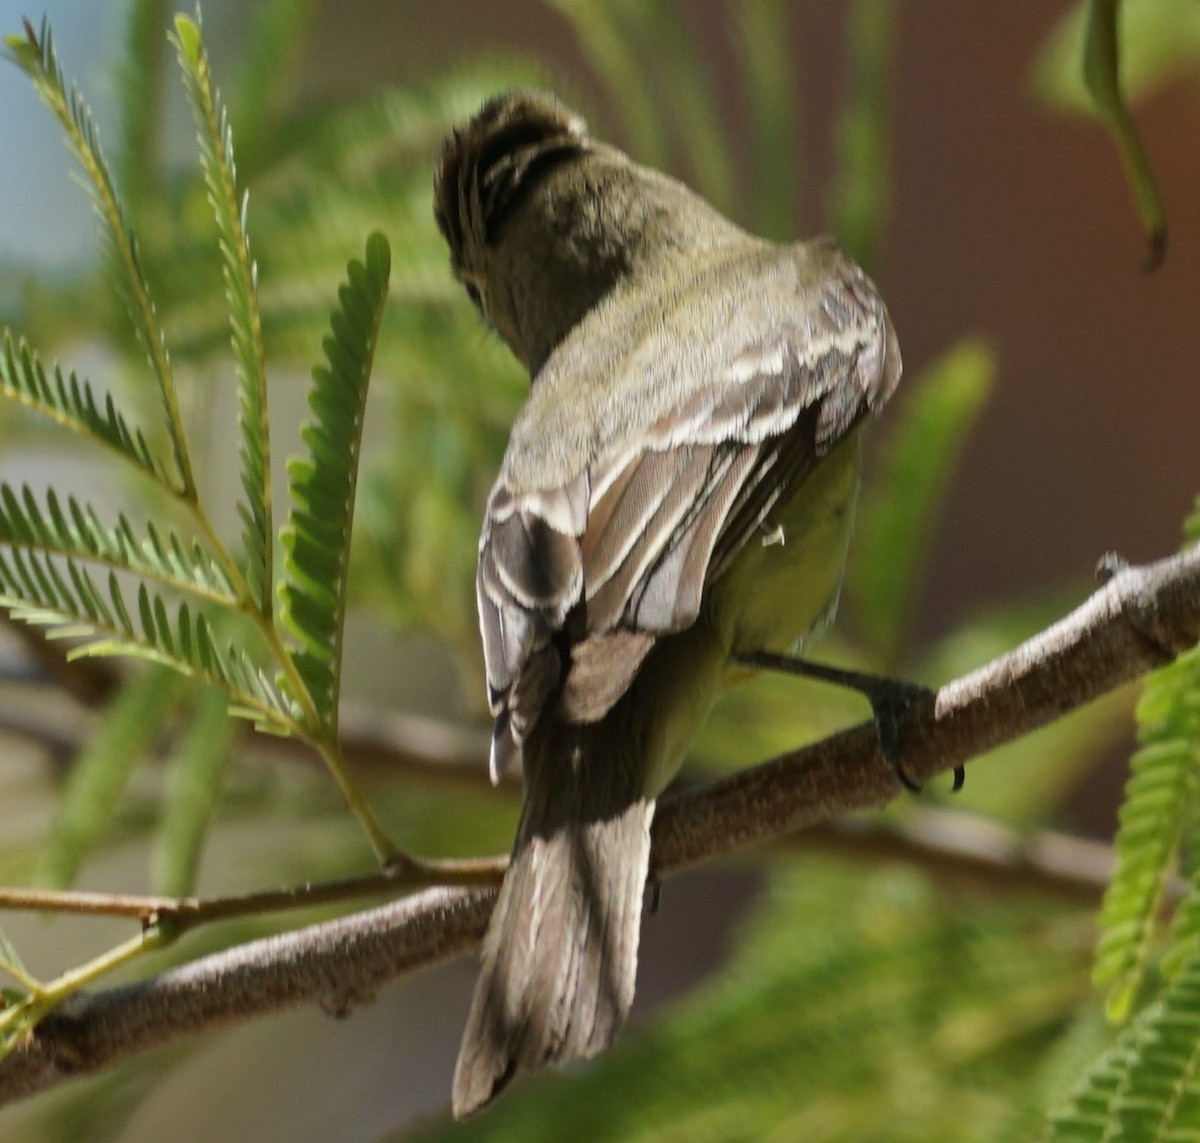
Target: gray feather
560,957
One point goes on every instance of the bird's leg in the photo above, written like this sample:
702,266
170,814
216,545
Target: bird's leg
889,698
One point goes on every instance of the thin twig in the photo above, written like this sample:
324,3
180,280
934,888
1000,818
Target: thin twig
384,740
953,844
184,913
1127,627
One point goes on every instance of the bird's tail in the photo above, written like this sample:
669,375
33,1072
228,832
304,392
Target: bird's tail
560,956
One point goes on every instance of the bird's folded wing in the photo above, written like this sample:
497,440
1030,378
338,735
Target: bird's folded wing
579,580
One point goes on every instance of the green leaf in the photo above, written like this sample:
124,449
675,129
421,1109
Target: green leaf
35,55
10,960
1146,1089
229,205
602,36
1159,798
1087,1117
100,772
272,59
1101,68
903,496
82,537
671,40
317,535
769,69
195,780
139,165
1160,43
1126,50
191,47
859,194
1183,935
71,403
60,594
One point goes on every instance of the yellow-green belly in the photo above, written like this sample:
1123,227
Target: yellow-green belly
772,598
784,584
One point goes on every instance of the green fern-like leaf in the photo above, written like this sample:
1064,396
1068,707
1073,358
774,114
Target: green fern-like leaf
71,403
271,62
63,596
1183,935
1158,798
317,535
1146,1089
75,531
1087,1117
139,166
1160,1100
196,769
241,295
34,54
101,770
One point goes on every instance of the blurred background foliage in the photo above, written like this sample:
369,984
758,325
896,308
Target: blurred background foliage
880,1000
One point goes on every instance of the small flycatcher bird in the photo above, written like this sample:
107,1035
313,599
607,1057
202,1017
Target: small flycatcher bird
677,495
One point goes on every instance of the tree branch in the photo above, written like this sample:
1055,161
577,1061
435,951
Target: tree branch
952,845
1138,620
386,740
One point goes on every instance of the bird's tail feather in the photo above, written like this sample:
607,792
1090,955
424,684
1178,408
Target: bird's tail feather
560,956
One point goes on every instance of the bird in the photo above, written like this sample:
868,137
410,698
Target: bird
677,495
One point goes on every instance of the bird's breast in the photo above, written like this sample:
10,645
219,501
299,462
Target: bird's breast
783,587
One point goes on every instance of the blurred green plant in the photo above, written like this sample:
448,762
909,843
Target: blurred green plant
186,591
49,583
1148,956
902,1016
867,1002
1103,56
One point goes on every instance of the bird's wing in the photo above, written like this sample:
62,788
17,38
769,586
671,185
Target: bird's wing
576,582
